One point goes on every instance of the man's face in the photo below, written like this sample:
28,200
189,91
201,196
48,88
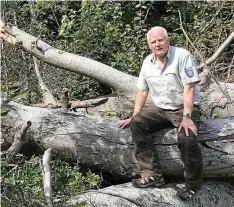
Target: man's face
158,43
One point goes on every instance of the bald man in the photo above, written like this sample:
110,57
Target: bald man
170,76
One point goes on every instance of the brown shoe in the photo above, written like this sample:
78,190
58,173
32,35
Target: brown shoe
153,181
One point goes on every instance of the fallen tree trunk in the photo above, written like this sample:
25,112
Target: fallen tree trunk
215,194
119,81
98,143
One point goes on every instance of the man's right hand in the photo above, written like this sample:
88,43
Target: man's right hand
124,123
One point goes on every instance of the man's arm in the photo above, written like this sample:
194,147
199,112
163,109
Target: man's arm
141,97
187,122
189,98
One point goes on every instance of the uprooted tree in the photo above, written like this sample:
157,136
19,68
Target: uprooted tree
96,141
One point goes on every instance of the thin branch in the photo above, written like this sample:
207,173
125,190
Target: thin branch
230,66
48,98
196,50
211,21
218,52
204,62
55,16
47,177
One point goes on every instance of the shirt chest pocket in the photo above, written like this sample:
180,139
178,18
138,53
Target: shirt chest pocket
154,80
172,81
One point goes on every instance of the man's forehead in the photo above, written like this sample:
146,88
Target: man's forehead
157,33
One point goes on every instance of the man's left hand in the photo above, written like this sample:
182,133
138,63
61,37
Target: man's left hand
188,124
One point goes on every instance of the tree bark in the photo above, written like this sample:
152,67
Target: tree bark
98,142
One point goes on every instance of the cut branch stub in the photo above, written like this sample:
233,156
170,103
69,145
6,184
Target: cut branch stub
20,139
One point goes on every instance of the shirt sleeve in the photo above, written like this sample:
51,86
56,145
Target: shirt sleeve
188,70
142,83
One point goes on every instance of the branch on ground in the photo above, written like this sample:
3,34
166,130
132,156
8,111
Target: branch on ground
47,178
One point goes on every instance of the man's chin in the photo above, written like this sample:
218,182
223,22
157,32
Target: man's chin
160,54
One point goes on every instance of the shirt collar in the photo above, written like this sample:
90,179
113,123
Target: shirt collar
153,58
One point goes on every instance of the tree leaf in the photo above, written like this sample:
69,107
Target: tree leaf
9,181
4,164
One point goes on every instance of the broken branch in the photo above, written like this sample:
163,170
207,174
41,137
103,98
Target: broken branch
47,177
20,139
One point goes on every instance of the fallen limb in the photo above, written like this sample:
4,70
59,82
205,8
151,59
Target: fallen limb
74,104
47,178
218,52
87,103
119,81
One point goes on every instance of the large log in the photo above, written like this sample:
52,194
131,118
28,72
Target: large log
99,143
212,194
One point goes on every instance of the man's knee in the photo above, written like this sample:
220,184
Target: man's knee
189,148
182,135
136,121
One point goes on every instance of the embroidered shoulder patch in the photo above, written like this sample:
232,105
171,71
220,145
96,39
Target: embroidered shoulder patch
189,72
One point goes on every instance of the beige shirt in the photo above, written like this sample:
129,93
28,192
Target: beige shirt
166,84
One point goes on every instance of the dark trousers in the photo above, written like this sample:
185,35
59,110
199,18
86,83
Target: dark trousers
153,119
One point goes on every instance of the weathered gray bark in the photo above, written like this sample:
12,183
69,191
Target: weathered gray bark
122,83
98,143
215,194
213,101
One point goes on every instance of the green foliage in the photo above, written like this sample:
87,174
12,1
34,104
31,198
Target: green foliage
20,96
111,32
79,182
7,179
81,204
3,164
28,177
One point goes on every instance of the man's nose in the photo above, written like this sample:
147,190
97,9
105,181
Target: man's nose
157,43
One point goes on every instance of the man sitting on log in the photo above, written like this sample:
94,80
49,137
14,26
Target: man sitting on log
170,75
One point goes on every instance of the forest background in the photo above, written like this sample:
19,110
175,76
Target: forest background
111,32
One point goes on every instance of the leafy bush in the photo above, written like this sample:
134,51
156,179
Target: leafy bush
24,183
